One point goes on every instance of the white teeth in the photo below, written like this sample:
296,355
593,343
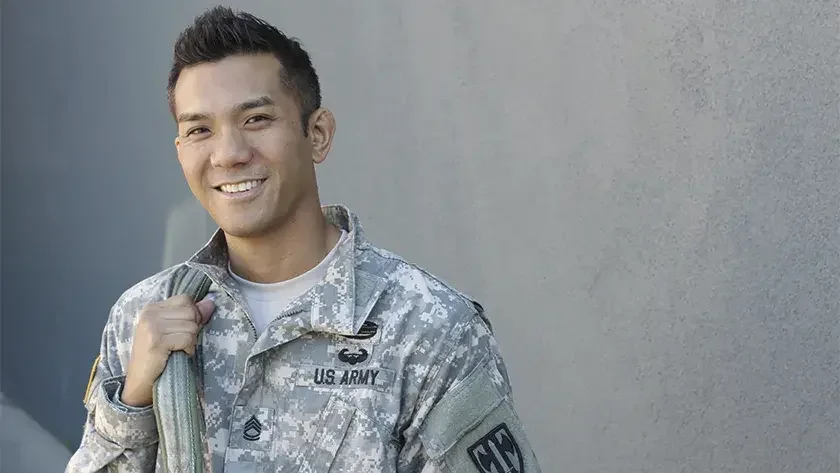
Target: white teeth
239,187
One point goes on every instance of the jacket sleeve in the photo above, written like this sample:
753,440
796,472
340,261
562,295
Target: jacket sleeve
466,420
116,438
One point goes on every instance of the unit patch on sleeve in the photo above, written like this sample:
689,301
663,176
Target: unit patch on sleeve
497,451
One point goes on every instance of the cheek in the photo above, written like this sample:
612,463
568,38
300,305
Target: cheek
289,162
278,146
193,163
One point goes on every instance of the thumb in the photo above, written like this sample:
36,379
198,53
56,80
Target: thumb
205,309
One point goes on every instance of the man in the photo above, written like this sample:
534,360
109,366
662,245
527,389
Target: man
319,351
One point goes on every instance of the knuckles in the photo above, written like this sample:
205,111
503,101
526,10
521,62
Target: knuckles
161,328
181,300
154,319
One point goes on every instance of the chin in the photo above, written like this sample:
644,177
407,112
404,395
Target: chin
248,223
244,230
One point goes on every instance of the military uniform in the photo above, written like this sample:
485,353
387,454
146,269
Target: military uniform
380,367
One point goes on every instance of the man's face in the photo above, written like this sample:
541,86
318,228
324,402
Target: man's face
241,144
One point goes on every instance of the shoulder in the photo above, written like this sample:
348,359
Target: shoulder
439,329
412,292
149,290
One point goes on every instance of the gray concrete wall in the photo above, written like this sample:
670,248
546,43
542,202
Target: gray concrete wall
644,195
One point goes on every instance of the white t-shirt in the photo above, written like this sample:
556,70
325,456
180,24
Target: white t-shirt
267,301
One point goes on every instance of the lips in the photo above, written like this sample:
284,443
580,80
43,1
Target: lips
239,187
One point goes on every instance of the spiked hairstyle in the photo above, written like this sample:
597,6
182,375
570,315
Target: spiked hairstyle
221,32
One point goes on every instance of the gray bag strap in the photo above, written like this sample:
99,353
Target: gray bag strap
180,421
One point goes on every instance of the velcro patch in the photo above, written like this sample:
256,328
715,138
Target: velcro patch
475,429
90,379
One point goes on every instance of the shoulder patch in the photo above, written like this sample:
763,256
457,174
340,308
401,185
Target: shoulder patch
90,379
475,429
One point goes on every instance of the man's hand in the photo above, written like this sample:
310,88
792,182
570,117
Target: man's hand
162,328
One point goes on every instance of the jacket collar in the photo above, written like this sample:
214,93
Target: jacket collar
341,301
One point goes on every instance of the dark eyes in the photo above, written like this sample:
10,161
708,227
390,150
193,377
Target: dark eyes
198,129
251,120
257,118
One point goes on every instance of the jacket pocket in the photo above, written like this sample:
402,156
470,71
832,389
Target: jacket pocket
318,457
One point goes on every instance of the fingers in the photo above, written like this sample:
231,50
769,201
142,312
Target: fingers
205,310
179,326
172,325
181,300
180,341
185,309
162,328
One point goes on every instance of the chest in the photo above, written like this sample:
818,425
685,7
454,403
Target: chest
296,399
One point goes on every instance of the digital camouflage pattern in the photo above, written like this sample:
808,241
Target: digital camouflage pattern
380,367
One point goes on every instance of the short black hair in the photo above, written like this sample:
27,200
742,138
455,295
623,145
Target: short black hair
221,32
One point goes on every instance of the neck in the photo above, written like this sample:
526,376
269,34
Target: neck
298,246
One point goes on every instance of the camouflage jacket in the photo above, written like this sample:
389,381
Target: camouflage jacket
380,367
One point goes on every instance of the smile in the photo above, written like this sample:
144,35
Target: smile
239,187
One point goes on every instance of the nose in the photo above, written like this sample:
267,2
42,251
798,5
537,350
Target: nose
232,149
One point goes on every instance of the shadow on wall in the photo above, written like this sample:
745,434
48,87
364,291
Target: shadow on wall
26,447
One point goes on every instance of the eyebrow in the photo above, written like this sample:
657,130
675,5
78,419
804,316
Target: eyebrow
263,101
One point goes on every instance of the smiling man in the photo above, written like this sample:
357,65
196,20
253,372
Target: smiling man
319,351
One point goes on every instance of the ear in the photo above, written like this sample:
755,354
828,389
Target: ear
321,132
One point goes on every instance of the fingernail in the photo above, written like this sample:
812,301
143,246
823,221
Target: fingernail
212,296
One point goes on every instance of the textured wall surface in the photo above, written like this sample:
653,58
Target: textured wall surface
644,195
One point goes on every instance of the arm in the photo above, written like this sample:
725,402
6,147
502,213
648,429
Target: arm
466,420
117,438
